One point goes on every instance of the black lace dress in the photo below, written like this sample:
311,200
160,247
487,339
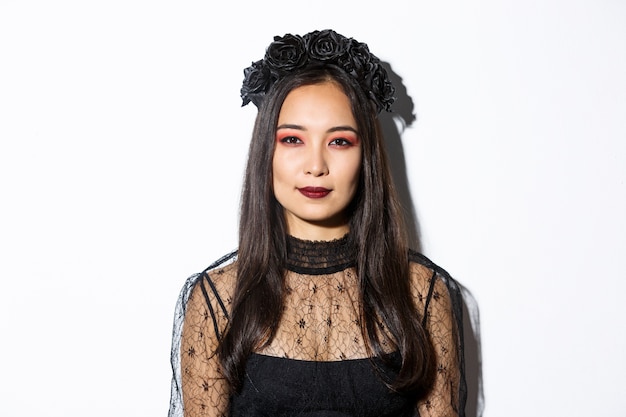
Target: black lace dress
317,364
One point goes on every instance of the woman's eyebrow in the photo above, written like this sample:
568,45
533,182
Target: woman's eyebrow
342,128
332,129
290,126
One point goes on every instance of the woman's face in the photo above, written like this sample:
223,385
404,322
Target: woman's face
317,159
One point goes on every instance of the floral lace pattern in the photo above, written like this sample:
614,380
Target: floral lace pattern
320,325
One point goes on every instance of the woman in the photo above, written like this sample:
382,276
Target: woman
323,310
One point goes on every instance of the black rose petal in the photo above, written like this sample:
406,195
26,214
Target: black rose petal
257,80
326,45
286,53
357,59
381,89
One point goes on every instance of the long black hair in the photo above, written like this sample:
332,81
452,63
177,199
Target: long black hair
376,228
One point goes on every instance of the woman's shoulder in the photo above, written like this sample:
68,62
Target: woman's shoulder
421,261
422,265
221,275
429,280
222,270
225,262
214,284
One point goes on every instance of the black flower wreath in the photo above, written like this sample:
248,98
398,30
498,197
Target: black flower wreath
292,52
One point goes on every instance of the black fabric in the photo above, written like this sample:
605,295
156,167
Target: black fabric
317,364
318,258
287,387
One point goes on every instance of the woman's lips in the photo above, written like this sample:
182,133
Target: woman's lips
314,192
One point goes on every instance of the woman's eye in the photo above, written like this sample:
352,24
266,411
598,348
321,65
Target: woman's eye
340,142
290,140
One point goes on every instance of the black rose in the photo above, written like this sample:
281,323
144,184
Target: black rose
358,59
257,80
381,89
326,45
286,53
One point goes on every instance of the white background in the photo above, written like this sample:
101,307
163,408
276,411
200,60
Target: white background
122,148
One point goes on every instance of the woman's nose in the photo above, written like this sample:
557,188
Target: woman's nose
316,164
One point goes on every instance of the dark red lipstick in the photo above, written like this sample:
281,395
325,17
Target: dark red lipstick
314,192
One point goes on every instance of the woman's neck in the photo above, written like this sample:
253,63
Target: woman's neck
317,232
319,256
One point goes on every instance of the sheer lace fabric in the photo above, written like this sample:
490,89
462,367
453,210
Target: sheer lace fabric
317,363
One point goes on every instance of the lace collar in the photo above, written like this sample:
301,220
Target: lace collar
319,257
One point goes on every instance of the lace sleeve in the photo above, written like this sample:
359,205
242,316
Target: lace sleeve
198,387
440,298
